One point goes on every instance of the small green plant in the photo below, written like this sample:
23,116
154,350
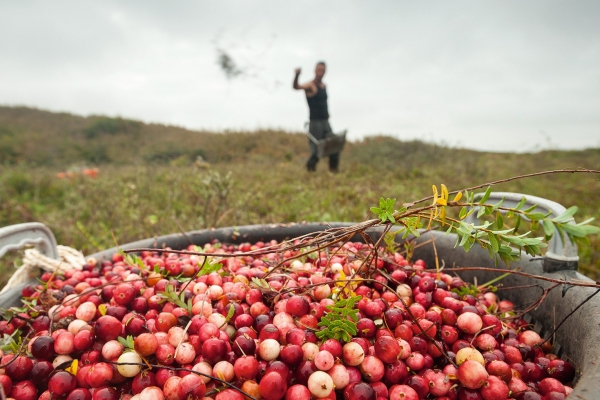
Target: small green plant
133,260
11,343
340,320
171,296
209,267
385,211
128,342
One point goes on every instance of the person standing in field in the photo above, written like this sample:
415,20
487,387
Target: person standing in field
316,96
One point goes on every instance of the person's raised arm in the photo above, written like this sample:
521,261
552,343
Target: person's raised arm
296,85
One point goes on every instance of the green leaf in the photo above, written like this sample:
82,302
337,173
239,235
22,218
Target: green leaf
229,314
210,267
549,228
463,213
590,230
499,220
530,209
587,221
471,197
493,242
536,216
486,196
498,204
566,216
480,212
575,230
469,244
521,203
514,240
533,241
123,341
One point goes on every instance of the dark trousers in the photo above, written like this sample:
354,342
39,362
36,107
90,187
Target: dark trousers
320,129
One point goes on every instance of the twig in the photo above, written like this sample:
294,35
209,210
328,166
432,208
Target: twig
515,272
536,303
518,287
186,370
555,171
181,230
566,317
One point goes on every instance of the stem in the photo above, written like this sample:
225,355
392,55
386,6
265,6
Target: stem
541,278
484,285
186,370
565,318
554,171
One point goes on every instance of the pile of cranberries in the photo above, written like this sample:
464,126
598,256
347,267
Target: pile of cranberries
114,331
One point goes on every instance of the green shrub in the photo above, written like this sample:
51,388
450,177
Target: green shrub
9,153
101,126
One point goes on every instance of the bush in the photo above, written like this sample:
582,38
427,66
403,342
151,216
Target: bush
110,126
8,147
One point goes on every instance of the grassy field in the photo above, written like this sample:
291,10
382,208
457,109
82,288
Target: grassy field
253,177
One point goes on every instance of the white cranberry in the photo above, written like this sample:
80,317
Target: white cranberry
124,364
320,384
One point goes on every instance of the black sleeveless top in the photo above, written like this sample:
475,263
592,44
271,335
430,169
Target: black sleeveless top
317,104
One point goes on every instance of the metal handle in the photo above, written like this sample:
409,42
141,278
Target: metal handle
560,254
15,237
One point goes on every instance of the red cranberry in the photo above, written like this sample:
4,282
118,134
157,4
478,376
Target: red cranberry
359,391
19,369
108,328
43,348
62,383
272,386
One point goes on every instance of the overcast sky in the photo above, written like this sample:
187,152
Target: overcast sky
493,75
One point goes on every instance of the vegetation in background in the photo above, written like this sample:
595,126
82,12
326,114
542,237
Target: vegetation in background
150,184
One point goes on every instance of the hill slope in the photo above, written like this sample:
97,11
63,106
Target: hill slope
44,138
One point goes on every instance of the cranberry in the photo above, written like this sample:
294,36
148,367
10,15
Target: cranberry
108,328
62,383
19,369
359,391
272,386
43,348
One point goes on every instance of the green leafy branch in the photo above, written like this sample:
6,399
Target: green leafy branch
340,320
506,244
28,307
209,267
260,284
133,260
171,296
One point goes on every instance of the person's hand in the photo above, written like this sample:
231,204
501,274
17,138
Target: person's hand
297,71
